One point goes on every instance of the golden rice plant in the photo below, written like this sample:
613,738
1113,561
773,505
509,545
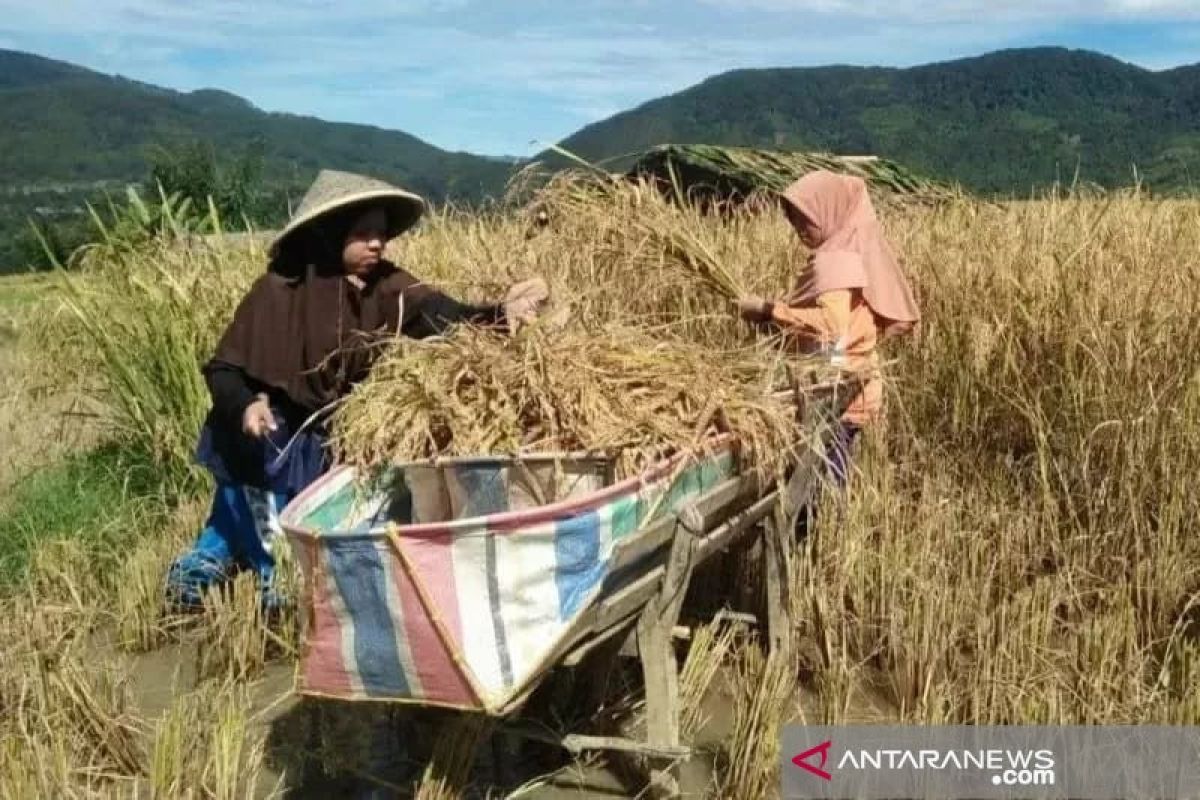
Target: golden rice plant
142,619
238,638
142,321
709,650
447,775
764,686
207,745
615,390
1020,551
607,254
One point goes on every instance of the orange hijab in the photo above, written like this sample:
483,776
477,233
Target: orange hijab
850,250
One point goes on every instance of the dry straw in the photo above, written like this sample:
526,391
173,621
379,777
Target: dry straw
763,687
1017,544
621,391
650,359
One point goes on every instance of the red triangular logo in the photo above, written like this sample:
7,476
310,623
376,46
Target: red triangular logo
822,749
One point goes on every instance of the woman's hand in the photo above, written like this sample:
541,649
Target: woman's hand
257,419
754,309
524,300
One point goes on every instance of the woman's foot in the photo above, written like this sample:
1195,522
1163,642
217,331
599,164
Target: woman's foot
209,563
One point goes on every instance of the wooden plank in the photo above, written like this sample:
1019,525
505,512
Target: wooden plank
655,649
714,506
591,643
629,599
778,583
656,537
576,744
736,617
660,672
588,457
629,648
660,676
738,524
704,510
826,392
802,485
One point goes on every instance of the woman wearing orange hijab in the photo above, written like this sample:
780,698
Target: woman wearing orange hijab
851,294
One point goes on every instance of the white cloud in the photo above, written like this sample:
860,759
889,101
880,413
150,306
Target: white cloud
977,10
1172,8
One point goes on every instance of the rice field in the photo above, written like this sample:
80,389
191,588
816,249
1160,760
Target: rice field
1016,545
42,418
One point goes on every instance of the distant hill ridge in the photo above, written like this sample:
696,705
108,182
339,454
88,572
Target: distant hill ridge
1002,122
60,122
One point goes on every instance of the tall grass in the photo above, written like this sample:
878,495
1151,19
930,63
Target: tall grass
206,748
42,418
73,499
145,319
1016,545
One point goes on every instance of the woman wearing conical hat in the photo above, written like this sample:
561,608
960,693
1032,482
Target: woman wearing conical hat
306,332
851,293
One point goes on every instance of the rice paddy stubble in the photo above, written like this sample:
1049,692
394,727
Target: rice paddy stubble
1015,545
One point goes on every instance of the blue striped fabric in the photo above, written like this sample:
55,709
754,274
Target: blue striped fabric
465,613
579,568
362,583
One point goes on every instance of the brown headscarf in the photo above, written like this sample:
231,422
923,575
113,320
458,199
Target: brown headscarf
851,251
308,329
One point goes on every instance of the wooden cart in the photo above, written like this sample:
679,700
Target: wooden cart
400,612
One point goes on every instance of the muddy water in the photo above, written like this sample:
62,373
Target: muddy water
325,749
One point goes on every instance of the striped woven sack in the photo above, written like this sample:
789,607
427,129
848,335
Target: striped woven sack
453,584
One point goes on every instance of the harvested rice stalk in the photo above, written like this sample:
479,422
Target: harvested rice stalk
651,232
711,646
618,390
447,775
690,252
738,172
95,703
764,685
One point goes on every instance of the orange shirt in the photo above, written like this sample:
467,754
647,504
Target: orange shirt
841,318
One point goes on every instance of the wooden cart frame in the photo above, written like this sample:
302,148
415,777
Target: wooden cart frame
643,613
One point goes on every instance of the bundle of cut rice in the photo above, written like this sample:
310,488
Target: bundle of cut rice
631,392
742,171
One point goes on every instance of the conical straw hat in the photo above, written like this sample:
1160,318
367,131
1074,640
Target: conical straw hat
334,190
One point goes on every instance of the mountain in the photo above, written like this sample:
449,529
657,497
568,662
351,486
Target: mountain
67,134
1002,122
64,124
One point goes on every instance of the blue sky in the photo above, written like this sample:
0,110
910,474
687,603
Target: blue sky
504,77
